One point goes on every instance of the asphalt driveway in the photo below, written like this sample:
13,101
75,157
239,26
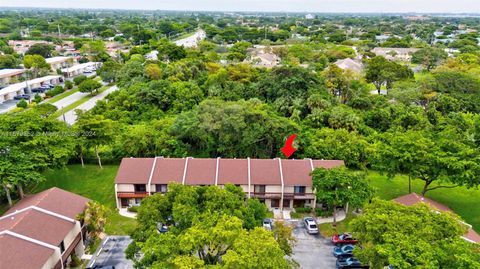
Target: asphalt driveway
312,251
112,253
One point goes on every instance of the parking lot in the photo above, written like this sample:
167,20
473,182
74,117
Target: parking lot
312,251
112,253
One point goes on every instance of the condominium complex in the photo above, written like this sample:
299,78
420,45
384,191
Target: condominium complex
279,183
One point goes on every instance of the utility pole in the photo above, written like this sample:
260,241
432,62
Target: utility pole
58,26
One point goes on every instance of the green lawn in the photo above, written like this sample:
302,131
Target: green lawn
62,95
94,183
465,202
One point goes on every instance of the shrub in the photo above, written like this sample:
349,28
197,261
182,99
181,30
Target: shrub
79,79
57,90
133,208
320,212
22,104
75,262
303,209
37,99
68,84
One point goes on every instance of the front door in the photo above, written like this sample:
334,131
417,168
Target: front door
124,202
286,203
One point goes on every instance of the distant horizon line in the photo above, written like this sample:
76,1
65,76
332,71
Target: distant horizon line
248,11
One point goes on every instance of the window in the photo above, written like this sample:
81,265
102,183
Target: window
299,189
161,188
62,247
259,188
140,188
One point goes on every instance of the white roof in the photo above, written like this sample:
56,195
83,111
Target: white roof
22,85
58,59
79,66
10,72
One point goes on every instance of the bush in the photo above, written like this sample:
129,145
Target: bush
68,84
57,90
303,209
75,262
22,104
133,208
79,79
320,212
37,99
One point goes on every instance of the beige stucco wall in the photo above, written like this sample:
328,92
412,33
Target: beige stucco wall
52,261
273,188
72,235
125,187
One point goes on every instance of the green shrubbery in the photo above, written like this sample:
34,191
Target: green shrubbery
57,90
79,79
303,209
133,209
68,84
22,104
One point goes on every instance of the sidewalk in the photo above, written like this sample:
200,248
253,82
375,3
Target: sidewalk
70,116
124,212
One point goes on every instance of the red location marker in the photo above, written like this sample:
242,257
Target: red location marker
288,149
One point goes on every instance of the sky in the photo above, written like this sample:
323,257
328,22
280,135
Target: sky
442,6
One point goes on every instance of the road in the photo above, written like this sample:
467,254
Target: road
192,40
70,117
112,253
312,251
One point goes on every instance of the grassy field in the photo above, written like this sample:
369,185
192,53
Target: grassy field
465,202
94,183
61,96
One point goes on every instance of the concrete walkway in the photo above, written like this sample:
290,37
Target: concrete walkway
124,212
70,116
340,216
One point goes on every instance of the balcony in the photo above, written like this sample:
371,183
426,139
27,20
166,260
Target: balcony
131,194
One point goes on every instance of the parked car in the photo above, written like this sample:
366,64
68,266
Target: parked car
343,251
268,224
51,86
162,228
38,90
22,96
343,239
349,263
310,225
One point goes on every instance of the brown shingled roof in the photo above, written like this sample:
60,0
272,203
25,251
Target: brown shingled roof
265,172
296,172
201,172
55,200
167,170
413,198
134,170
19,253
234,171
38,225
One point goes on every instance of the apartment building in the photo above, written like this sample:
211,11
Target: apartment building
41,231
8,76
279,183
60,62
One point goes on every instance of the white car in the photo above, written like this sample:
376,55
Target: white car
267,224
310,225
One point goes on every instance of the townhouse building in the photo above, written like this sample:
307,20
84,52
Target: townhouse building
41,231
279,183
